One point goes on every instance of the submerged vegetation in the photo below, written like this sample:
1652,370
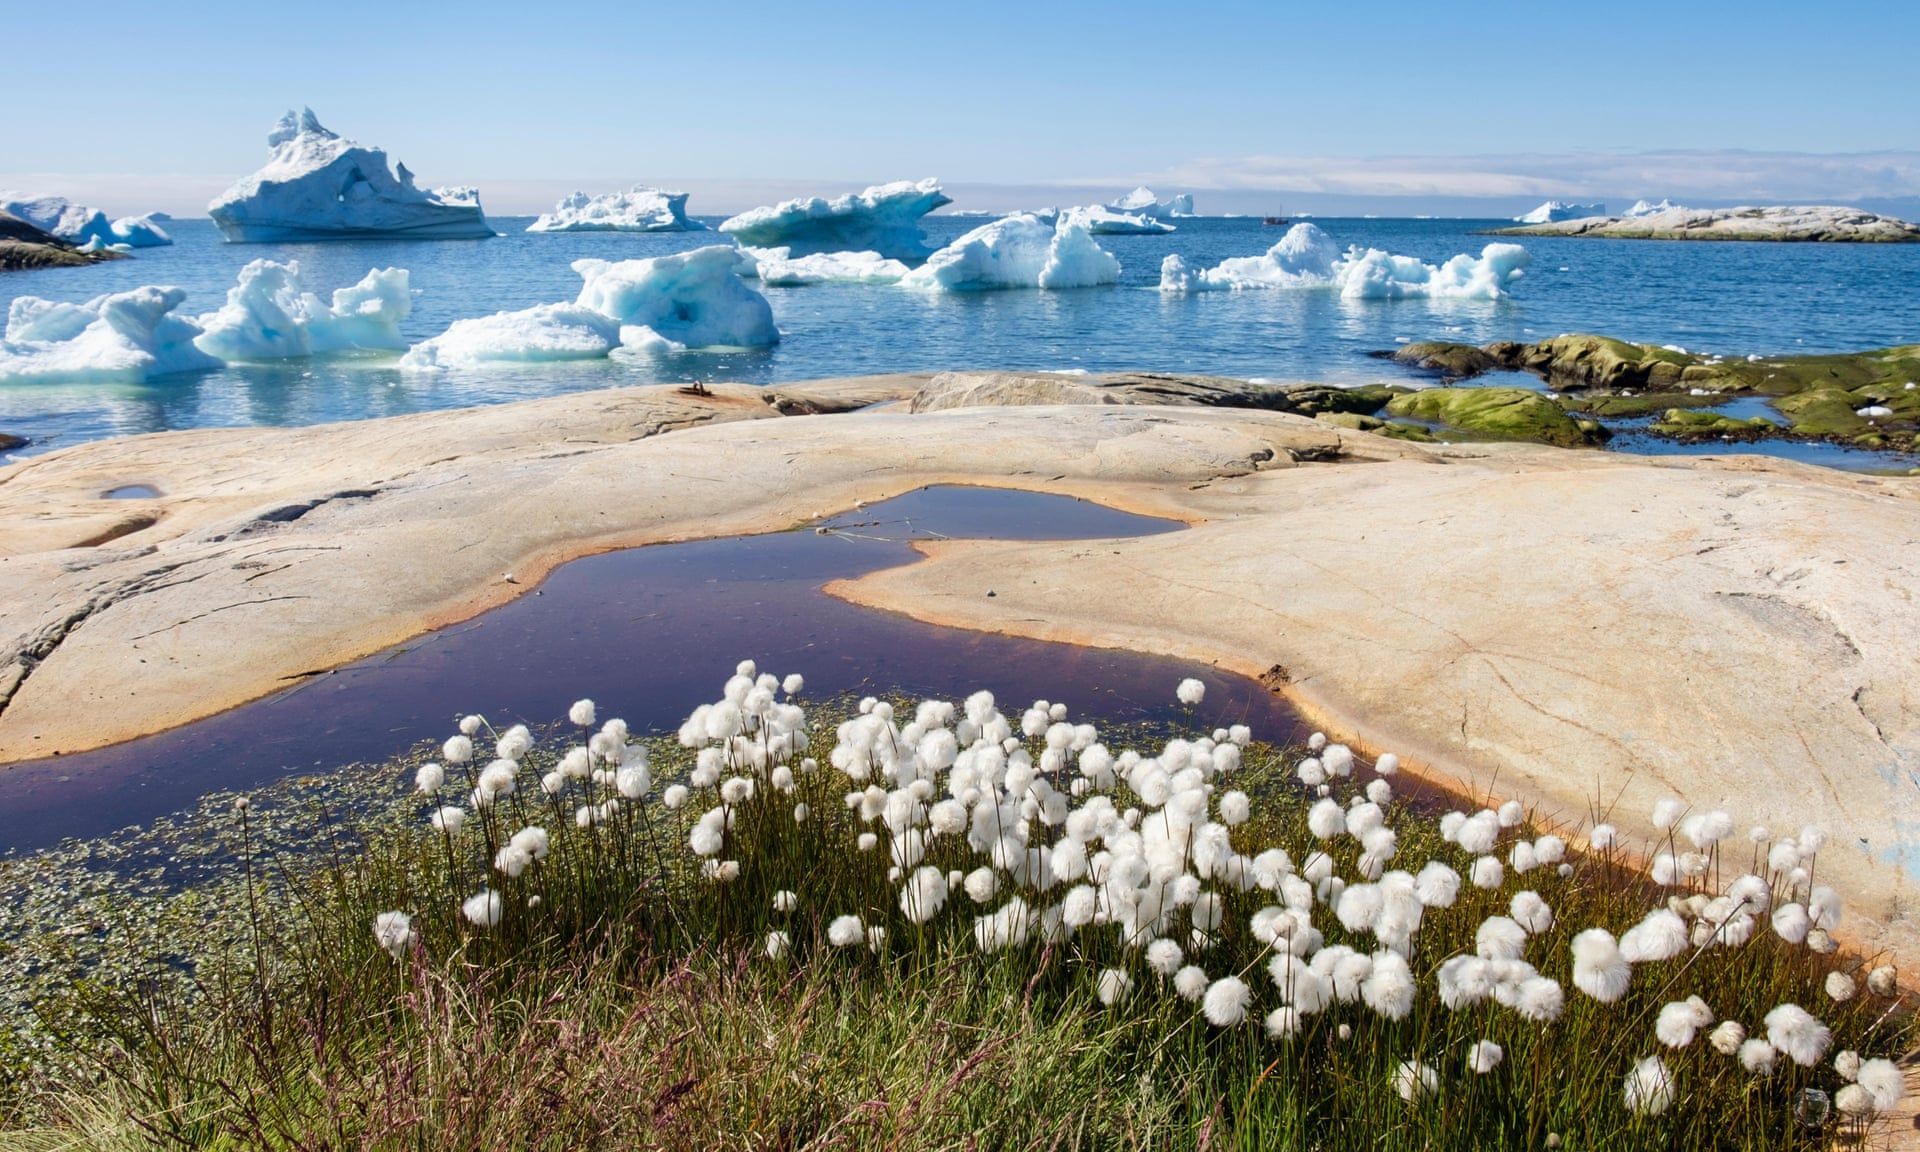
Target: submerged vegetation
945,926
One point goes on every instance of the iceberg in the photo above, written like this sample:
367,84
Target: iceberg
1554,211
119,338
1143,202
1645,208
777,268
1307,258
82,227
1018,251
544,333
638,209
270,315
883,219
321,186
687,300
1101,220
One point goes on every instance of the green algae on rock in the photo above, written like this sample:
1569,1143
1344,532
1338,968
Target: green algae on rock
1500,414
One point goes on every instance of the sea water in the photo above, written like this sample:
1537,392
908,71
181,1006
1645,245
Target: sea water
1729,298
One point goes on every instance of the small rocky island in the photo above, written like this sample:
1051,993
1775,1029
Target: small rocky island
24,246
1829,223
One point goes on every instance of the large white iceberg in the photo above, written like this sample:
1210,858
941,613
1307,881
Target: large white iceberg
1143,202
1104,221
119,338
1554,211
1306,257
270,315
322,186
778,268
883,219
1018,251
638,209
686,300
1645,208
84,227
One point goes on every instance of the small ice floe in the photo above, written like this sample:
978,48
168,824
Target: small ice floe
1674,348
1873,411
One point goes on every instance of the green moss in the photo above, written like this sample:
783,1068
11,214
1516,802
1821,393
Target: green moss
1499,414
1377,426
1451,360
1685,424
1612,405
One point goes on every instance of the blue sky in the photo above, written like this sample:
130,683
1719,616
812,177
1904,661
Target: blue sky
1402,104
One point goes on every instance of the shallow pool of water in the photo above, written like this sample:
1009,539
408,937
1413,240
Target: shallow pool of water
648,633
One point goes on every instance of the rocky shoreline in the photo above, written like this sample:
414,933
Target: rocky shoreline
23,247
1781,223
1488,610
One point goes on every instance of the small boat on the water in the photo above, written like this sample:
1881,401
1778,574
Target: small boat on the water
1275,221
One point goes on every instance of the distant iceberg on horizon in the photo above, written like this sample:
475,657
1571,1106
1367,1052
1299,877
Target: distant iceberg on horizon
1645,208
638,209
84,227
1018,251
1554,211
1143,201
320,185
884,219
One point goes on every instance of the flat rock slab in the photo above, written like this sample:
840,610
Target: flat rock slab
1818,223
1568,627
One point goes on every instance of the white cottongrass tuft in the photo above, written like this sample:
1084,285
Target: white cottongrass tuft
785,901
1757,1056
1225,1002
1680,1021
1413,1079
393,931
1649,1088
778,944
1599,969
457,750
1727,1037
581,714
1114,986
449,820
1387,765
483,909
429,777
1883,981
1840,987
1483,1056
846,931
1190,692
1798,1034
1190,982
1884,1081
1282,1023
1666,813
923,895
1602,837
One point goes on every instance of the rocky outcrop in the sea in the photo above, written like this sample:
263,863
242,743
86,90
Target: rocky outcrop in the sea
1003,389
1868,399
23,246
1499,414
1833,223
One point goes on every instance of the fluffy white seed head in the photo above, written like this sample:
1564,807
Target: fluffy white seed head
1483,1056
1798,1034
1413,1079
1190,692
1225,1002
1649,1088
393,932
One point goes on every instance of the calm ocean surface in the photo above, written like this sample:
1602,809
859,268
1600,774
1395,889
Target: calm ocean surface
1724,297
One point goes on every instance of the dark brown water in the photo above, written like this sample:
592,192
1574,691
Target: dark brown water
648,633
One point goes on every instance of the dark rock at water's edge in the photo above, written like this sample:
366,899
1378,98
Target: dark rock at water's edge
22,246
9,442
971,389
1867,399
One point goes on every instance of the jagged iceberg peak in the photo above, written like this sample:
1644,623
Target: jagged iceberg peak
1554,211
884,219
1307,258
638,209
1102,220
1143,201
84,227
319,185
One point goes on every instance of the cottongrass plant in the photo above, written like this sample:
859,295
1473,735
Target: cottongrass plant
1221,941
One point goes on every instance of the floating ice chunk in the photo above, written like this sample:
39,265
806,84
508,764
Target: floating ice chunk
639,209
1018,251
1306,257
690,298
322,186
1142,202
120,338
1643,208
1873,411
883,219
91,231
546,332
1103,221
776,268
270,315
1554,211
